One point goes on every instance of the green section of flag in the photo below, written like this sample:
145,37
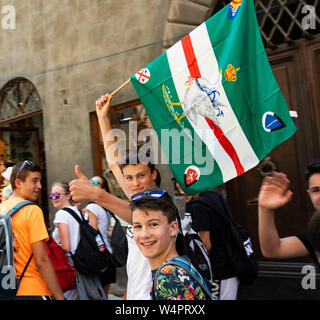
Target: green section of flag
238,42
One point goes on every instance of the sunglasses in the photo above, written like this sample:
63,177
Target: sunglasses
26,163
55,195
94,182
149,193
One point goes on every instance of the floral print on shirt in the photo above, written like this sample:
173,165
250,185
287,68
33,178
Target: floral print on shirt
176,283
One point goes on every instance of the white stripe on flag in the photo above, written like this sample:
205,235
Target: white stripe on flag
229,124
180,74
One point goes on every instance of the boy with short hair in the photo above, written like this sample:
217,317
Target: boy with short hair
30,234
155,229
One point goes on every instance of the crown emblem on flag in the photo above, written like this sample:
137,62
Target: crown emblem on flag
231,73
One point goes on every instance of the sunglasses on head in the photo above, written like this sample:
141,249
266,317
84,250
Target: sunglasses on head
156,194
55,195
26,163
94,182
149,193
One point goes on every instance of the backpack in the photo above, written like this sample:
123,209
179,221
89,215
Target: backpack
239,249
119,244
9,283
118,241
65,273
203,264
91,256
191,270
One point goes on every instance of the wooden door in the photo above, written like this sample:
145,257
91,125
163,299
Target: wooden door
297,73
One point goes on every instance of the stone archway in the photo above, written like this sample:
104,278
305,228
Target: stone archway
184,16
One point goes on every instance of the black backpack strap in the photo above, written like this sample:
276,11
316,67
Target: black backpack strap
106,210
113,216
75,216
25,268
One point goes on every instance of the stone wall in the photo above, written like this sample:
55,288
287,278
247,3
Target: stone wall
57,45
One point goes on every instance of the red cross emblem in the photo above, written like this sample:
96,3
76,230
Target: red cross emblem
143,75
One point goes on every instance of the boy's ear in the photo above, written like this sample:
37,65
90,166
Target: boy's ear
154,175
18,182
174,228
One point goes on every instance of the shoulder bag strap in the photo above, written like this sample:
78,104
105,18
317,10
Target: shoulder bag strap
75,216
18,206
113,216
24,270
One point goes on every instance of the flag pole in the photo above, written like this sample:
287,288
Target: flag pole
122,86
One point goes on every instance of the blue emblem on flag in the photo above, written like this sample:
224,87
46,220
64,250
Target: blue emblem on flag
271,122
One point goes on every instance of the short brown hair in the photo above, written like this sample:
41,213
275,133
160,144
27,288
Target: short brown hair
21,171
164,204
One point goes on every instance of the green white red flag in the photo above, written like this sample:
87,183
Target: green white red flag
215,90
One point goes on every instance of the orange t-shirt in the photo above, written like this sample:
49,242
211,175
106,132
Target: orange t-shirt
28,226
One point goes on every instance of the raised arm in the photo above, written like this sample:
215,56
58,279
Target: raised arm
102,109
274,193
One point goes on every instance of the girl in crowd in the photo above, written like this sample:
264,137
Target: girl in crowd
66,234
155,229
103,218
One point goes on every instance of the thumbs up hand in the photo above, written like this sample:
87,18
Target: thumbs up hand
79,174
81,189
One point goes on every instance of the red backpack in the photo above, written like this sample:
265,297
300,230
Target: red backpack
65,273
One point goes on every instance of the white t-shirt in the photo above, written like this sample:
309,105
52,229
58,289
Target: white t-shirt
65,217
103,222
138,271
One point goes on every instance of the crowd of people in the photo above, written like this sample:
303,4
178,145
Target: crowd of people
159,265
